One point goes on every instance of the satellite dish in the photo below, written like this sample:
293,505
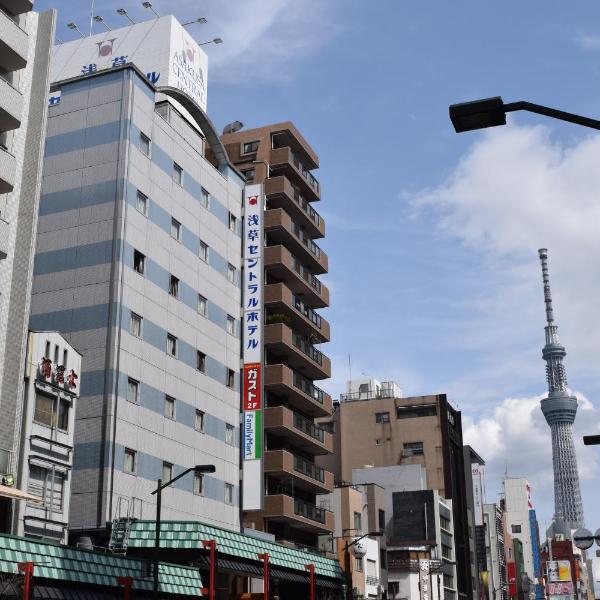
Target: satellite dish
583,538
232,127
359,548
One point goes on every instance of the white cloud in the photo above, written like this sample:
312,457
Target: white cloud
587,42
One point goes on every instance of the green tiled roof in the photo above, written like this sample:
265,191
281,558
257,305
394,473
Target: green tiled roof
53,561
190,534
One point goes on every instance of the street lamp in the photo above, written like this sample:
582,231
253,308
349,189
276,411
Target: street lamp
591,440
158,492
348,574
100,19
149,5
215,41
201,20
73,26
491,112
124,13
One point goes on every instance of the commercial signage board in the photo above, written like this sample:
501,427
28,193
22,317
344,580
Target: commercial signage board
252,354
477,476
558,570
161,48
560,588
424,580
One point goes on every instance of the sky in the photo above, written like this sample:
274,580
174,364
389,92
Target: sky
432,237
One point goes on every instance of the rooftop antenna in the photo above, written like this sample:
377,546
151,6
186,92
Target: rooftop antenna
100,19
124,13
91,17
73,26
149,6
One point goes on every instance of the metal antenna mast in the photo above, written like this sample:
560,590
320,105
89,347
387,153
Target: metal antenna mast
559,410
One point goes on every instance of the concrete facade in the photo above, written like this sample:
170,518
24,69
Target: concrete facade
138,266
25,43
497,583
517,504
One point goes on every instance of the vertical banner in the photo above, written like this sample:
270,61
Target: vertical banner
252,354
477,476
424,591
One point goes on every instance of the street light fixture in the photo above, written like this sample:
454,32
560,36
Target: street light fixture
124,13
491,112
149,5
158,492
100,19
73,26
591,440
201,20
215,41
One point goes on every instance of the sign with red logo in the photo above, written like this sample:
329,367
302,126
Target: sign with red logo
252,387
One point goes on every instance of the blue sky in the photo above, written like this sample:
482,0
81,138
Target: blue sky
432,236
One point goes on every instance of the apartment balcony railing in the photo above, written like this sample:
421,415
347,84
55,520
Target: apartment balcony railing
301,235
309,511
307,348
309,313
306,274
309,428
309,388
309,469
310,178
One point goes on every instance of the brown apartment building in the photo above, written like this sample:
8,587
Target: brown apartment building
373,425
281,159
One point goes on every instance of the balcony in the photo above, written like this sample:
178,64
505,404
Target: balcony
282,230
298,352
14,44
298,391
11,106
283,265
16,7
281,464
4,238
8,167
283,161
279,299
282,194
298,513
301,432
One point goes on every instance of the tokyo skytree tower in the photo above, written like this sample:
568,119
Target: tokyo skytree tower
560,409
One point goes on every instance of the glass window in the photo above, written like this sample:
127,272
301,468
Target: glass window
144,144
167,471
171,345
229,429
413,449
202,305
382,558
142,203
230,325
201,361
177,174
130,461
357,522
515,528
133,390
381,514
199,484
230,378
412,412
174,286
45,410
169,407
249,174
63,415
358,564
47,485
139,262
204,198
203,251
230,273
135,325
199,422
232,222
250,147
228,493
175,229
382,417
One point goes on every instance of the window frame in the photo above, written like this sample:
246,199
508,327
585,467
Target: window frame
139,260
141,196
382,417
229,434
200,361
145,141
228,486
231,324
254,144
413,449
199,477
233,220
172,340
230,378
135,318
174,286
202,302
204,197
231,273
202,415
167,465
203,250
131,453
131,380
171,402
176,226
178,174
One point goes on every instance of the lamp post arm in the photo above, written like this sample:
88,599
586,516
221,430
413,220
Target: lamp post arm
561,115
164,485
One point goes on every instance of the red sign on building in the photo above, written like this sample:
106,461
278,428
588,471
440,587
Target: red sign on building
511,571
252,387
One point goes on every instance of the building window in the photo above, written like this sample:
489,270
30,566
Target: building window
446,552
177,174
515,528
171,345
204,198
167,471
382,558
201,361
130,465
174,286
444,523
232,222
413,412
230,273
135,325
381,519
249,147
142,203
378,442
199,421
169,407
51,411
202,305
229,429
382,417
228,493
144,144
198,484
357,522
230,378
448,581
230,325
249,174
139,262
133,390
372,569
413,449
175,229
358,564
48,485
203,251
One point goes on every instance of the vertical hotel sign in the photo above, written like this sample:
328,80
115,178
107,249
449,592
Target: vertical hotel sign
252,388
